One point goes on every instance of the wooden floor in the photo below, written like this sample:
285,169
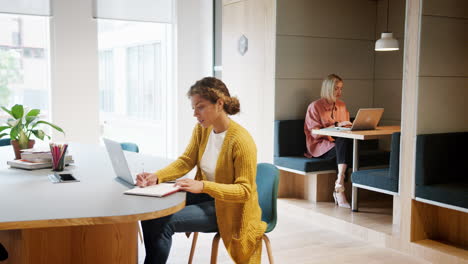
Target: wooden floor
375,215
303,236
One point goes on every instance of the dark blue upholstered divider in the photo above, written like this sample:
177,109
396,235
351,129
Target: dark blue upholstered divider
441,168
289,138
385,179
5,142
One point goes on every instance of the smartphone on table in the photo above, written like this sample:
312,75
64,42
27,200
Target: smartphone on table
62,177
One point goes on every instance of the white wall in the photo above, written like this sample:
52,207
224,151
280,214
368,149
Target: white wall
74,68
194,60
250,77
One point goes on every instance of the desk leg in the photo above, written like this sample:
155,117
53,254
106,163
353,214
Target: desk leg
113,243
354,191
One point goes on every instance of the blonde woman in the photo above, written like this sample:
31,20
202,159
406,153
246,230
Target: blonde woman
329,111
223,196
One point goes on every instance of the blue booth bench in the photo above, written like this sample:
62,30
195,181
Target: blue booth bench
441,177
312,178
379,180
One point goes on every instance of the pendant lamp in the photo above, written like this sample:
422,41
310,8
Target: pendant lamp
386,41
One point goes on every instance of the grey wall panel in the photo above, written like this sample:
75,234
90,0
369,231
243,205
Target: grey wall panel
387,94
314,58
443,47
448,8
389,65
396,19
332,18
293,96
442,105
357,94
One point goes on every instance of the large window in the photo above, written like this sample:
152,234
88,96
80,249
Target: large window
135,59
24,61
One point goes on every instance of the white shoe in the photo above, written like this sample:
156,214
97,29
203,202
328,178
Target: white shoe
340,197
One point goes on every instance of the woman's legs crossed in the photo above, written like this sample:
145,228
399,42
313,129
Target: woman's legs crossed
343,157
198,216
342,153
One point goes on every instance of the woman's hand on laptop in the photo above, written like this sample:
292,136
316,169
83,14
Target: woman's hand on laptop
345,124
146,179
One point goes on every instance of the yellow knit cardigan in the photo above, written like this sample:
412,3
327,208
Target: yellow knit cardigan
234,189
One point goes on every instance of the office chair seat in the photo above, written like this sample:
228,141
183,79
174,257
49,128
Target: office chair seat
129,146
267,187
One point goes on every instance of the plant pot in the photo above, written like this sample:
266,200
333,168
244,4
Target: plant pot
17,149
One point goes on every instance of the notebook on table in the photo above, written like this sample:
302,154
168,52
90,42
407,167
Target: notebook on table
126,177
158,190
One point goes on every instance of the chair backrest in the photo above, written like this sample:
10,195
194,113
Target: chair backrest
289,138
440,158
267,188
128,146
394,171
5,142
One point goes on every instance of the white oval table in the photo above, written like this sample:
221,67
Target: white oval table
90,221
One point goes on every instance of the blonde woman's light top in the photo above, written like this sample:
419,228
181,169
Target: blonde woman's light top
321,114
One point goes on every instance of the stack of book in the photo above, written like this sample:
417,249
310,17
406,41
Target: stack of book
33,159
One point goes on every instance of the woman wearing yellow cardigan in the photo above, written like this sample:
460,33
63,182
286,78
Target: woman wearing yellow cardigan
223,196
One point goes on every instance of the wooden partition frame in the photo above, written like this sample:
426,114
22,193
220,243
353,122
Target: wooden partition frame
314,187
412,230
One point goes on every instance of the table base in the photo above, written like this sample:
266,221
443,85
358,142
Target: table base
107,243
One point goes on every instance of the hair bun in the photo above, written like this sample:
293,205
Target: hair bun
232,105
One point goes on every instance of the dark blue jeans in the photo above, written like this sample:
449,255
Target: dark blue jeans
198,216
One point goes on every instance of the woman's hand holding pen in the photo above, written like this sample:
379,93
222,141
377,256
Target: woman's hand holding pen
190,185
146,179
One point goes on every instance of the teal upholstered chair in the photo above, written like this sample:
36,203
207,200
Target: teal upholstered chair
5,142
128,146
267,187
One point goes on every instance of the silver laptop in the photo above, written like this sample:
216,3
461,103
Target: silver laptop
119,163
366,119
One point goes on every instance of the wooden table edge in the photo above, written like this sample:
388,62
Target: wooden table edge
356,134
91,220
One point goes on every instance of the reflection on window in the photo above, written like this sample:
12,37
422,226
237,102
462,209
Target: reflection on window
135,59
106,81
144,81
24,61
133,62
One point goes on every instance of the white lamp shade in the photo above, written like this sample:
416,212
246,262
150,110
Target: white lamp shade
386,42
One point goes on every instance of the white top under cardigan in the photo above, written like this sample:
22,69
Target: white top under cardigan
210,156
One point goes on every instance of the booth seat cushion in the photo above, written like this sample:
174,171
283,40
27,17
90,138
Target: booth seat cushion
448,193
378,178
367,158
305,164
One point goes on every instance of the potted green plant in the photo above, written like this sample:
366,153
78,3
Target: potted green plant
22,126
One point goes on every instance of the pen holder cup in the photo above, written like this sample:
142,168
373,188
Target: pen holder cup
58,165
